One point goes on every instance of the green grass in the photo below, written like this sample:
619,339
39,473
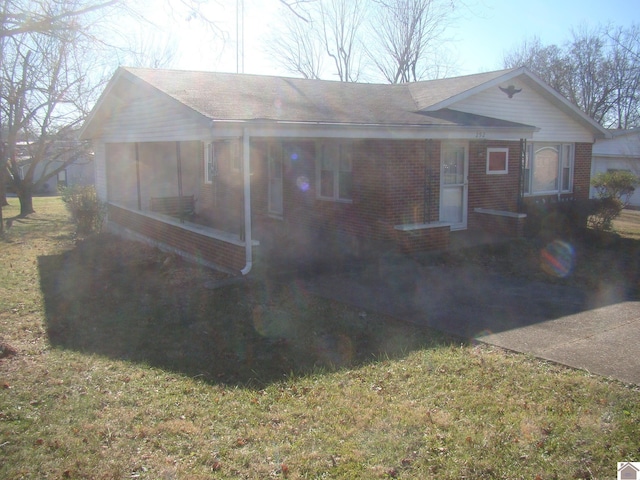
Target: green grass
628,224
123,362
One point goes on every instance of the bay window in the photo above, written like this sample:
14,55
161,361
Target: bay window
548,168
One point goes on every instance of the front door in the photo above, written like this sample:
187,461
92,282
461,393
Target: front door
274,160
453,187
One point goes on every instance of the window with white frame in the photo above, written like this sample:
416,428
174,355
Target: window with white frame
334,171
210,161
497,161
548,168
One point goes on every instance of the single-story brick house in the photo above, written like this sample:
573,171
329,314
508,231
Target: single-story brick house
620,152
230,168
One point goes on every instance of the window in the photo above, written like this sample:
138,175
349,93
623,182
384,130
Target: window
335,178
210,162
497,161
548,169
567,164
236,159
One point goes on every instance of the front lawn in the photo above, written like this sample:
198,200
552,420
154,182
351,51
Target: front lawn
118,361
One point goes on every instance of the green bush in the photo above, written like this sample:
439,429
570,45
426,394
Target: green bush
614,190
87,211
552,219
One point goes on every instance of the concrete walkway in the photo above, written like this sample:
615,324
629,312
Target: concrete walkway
595,331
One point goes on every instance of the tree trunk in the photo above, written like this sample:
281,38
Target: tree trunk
3,188
26,201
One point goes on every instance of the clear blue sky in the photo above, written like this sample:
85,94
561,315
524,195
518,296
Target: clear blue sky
486,29
494,26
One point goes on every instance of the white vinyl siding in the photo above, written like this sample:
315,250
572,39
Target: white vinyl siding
529,108
154,119
604,164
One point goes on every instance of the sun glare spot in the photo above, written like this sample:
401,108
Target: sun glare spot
335,349
557,259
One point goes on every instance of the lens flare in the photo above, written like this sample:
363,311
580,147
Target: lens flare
334,350
302,183
272,323
477,338
557,259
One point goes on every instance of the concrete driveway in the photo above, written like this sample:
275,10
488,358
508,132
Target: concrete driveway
595,331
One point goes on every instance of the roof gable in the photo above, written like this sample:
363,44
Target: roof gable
433,95
462,90
227,97
126,100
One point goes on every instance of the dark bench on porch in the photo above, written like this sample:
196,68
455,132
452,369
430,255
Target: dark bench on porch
181,207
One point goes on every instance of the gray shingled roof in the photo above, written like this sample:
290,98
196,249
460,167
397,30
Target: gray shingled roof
228,96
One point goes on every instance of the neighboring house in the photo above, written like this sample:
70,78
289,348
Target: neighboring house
296,169
78,166
622,152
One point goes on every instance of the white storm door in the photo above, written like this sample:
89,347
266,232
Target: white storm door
274,160
453,184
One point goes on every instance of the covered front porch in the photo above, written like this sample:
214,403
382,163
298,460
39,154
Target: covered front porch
313,201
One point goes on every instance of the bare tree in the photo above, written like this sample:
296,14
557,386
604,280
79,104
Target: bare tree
313,33
297,8
341,22
45,17
404,33
56,57
547,62
401,40
43,79
35,41
297,46
153,50
597,70
625,72
589,85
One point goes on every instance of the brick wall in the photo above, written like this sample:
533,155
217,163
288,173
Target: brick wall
494,191
435,238
394,182
582,171
499,225
412,180
197,246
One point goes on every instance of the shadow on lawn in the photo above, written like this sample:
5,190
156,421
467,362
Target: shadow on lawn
128,301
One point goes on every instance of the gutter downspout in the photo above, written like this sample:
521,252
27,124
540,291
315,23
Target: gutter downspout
246,180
